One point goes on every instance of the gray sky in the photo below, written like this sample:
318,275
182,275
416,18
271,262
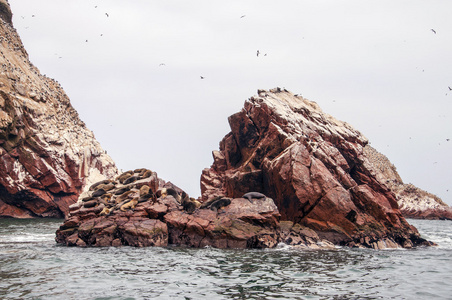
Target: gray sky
374,64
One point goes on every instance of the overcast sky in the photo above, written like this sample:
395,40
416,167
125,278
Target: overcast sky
377,65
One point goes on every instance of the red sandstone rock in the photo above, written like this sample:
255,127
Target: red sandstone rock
237,223
242,224
313,166
47,155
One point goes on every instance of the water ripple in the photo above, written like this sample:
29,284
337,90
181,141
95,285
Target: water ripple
33,266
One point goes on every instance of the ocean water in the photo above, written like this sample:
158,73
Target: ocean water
32,266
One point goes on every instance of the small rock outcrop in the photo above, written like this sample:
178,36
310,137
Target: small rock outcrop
47,155
313,167
139,209
413,202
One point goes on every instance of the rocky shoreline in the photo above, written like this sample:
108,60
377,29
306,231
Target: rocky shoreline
139,209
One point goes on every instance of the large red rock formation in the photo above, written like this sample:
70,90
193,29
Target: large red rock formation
47,155
312,166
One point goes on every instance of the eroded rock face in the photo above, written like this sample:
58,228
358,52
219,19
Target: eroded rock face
413,202
47,155
139,209
312,166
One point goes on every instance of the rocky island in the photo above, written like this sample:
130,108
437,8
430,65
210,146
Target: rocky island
287,172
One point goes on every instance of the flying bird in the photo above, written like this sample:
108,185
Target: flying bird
433,31
243,16
162,64
201,77
450,89
106,14
257,52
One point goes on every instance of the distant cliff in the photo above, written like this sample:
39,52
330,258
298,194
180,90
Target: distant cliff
413,201
47,155
314,168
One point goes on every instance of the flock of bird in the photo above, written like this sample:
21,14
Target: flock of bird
203,77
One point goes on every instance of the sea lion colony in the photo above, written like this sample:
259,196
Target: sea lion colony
130,188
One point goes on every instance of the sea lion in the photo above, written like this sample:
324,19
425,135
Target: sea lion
144,190
220,203
108,186
254,195
147,197
122,190
106,197
93,186
209,202
87,199
189,206
106,211
90,203
146,174
129,205
130,180
98,193
198,204
102,201
171,192
123,196
124,176
139,170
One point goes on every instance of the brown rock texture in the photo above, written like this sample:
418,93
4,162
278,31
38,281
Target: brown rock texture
413,202
108,216
47,155
313,167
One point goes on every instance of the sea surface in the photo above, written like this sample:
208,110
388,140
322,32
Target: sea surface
33,266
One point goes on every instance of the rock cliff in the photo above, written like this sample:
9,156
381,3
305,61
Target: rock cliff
47,155
413,202
313,167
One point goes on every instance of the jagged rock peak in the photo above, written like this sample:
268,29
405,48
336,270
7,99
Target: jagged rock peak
312,165
47,155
